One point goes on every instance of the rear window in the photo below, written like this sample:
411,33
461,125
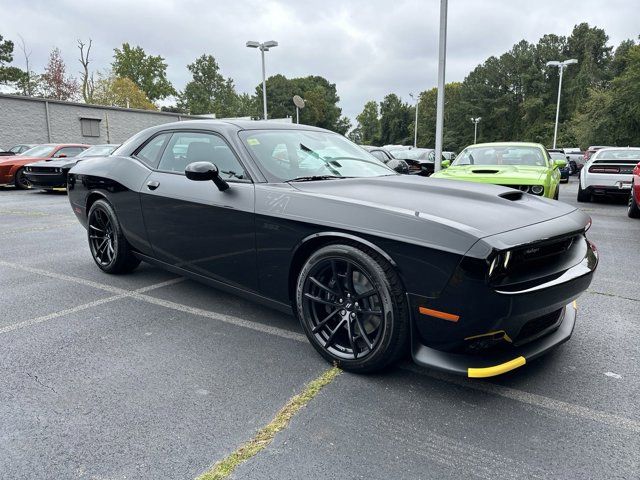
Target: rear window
618,155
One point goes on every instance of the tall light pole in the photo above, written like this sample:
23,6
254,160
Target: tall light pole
476,121
561,66
442,60
264,47
415,129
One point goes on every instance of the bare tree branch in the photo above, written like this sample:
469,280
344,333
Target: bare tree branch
88,84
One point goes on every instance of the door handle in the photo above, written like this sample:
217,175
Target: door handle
152,185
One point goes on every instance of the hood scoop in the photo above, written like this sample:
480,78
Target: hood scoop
485,171
514,196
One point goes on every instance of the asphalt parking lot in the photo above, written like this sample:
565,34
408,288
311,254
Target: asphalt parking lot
153,376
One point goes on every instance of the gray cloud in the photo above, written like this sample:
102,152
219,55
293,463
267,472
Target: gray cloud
368,48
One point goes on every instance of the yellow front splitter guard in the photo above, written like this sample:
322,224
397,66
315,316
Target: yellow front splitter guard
496,369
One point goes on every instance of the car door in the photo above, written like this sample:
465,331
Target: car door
191,224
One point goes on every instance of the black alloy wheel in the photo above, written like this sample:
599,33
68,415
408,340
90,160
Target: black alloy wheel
21,181
109,248
352,308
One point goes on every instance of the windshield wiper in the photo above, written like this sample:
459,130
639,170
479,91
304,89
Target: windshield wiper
312,178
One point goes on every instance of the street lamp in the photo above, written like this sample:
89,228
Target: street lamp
561,66
442,60
476,121
264,47
415,129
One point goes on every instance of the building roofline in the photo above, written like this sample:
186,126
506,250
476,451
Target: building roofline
91,105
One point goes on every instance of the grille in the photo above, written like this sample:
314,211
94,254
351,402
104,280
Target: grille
538,327
541,252
42,169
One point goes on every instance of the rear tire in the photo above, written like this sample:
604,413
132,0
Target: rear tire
633,211
21,181
109,249
352,307
583,195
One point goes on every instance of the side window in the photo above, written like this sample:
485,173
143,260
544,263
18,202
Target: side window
379,154
188,147
68,152
150,152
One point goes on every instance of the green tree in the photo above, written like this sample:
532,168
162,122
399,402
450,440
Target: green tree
369,124
395,119
148,72
8,74
120,92
209,91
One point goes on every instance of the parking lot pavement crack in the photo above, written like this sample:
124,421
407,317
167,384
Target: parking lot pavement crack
595,292
264,436
37,380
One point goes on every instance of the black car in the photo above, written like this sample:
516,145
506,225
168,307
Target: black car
16,150
421,160
380,153
470,278
50,174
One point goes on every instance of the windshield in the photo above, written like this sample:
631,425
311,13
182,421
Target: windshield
414,154
502,155
285,155
557,156
42,151
617,155
97,151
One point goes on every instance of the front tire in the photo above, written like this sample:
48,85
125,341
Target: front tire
21,182
352,307
583,195
109,249
633,211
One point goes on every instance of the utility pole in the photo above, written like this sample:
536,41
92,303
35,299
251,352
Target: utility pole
442,60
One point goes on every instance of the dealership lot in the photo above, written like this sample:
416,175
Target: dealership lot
152,376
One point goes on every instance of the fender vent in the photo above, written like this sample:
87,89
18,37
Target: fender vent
514,196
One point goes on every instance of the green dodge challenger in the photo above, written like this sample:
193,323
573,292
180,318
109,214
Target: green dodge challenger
525,166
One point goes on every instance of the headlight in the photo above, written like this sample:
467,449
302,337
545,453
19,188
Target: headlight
499,264
537,189
524,188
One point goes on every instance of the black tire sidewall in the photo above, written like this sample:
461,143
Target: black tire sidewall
18,175
383,351
123,260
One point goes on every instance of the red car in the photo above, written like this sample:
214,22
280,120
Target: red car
634,196
12,168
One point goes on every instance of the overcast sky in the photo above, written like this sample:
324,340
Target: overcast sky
367,48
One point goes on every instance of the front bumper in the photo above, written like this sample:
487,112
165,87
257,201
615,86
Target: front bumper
46,179
476,366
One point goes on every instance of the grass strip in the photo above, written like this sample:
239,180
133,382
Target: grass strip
265,435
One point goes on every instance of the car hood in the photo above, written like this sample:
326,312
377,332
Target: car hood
54,163
510,174
477,209
18,159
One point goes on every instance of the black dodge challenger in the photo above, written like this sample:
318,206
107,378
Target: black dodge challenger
468,278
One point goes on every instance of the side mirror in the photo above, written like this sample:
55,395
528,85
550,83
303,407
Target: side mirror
62,155
445,163
559,163
203,171
399,166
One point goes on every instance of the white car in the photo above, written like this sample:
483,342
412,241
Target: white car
608,172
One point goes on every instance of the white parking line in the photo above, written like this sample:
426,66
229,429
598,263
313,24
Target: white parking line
533,399
521,396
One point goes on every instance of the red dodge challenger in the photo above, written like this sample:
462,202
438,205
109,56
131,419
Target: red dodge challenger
12,168
634,196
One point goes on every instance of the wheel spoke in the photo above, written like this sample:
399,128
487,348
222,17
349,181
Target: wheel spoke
323,286
321,300
349,278
366,294
332,337
363,334
324,321
350,334
93,227
336,279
